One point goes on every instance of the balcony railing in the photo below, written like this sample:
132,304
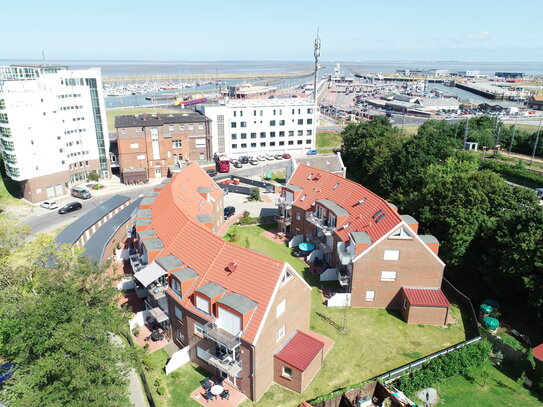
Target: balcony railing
285,220
345,257
321,223
219,335
225,362
136,262
344,276
283,203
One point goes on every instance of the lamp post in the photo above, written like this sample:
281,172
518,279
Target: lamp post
536,140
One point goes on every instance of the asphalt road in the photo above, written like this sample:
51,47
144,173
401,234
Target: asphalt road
48,220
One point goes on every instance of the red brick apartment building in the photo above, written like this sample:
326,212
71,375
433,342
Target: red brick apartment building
243,315
149,144
373,253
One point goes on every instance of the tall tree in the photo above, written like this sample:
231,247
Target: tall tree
57,317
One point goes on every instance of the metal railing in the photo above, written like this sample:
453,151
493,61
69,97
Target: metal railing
283,203
215,333
225,362
285,220
320,223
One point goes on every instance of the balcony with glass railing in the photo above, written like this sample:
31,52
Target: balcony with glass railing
222,337
321,223
344,255
282,202
225,362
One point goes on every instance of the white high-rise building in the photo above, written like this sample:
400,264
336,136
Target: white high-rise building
53,127
262,126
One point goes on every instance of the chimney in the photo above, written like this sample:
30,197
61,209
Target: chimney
158,116
144,117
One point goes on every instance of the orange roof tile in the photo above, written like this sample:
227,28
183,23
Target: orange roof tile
426,297
347,194
256,275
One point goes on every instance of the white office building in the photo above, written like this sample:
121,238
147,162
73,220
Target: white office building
262,126
52,127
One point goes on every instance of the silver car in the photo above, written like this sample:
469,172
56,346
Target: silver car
49,205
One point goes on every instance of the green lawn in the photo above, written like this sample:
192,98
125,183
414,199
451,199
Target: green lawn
328,140
499,390
179,384
376,341
111,113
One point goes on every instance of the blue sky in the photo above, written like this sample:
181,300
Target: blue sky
273,30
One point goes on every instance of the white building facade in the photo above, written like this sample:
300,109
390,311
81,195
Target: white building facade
262,126
52,128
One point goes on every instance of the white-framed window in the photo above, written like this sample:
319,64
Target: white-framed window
191,126
280,333
202,304
179,335
170,127
370,295
298,216
200,126
388,276
176,287
181,127
177,144
178,313
401,233
198,328
200,143
391,255
287,276
122,131
281,308
287,372
134,145
140,156
202,354
202,156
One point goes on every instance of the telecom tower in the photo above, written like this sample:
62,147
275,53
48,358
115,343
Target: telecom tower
317,54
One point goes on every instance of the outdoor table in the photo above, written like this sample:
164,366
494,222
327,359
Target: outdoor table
216,390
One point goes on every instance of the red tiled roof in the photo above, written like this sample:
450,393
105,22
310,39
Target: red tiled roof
186,195
300,350
426,297
199,248
538,352
347,194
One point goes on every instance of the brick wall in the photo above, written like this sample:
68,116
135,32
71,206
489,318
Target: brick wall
294,382
425,315
416,267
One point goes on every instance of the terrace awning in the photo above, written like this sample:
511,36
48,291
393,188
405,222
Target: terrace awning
159,315
149,274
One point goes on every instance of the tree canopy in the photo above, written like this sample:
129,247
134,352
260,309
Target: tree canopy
58,315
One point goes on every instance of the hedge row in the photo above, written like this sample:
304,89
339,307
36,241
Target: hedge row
447,365
514,174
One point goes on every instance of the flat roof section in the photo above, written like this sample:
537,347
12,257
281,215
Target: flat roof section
169,262
300,350
145,234
239,302
361,238
410,220
143,222
152,245
429,239
334,207
211,289
185,274
144,213
74,231
148,201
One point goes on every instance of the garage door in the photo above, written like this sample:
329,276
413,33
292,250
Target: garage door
229,321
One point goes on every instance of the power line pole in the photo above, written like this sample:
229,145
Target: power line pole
513,136
536,140
466,133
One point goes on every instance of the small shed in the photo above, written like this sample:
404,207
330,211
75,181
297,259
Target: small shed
538,354
427,306
297,362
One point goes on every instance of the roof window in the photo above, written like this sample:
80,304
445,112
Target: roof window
303,198
362,201
381,216
335,186
310,176
376,214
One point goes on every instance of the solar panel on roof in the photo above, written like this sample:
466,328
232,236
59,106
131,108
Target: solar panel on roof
377,213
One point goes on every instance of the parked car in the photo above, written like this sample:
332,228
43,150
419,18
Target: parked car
229,211
312,152
286,156
253,161
269,157
237,164
212,173
80,192
244,159
49,205
73,206
6,371
278,156
261,158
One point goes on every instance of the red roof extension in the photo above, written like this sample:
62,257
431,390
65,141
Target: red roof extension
426,297
347,194
199,248
538,352
300,350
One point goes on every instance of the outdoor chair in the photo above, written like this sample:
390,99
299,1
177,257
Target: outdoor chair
225,395
219,380
206,384
208,396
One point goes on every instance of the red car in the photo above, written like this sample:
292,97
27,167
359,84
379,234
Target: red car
286,156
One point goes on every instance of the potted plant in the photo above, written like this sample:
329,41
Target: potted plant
136,331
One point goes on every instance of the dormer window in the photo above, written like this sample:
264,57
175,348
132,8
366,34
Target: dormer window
202,304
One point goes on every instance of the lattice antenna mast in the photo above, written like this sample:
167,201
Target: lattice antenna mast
466,133
317,53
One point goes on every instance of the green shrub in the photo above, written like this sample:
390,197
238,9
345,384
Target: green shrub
161,390
93,176
158,383
514,174
511,341
249,220
255,194
442,367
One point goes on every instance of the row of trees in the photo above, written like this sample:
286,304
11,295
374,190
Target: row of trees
59,324
491,234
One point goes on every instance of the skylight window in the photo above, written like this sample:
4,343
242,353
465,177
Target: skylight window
310,176
376,214
303,198
381,216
